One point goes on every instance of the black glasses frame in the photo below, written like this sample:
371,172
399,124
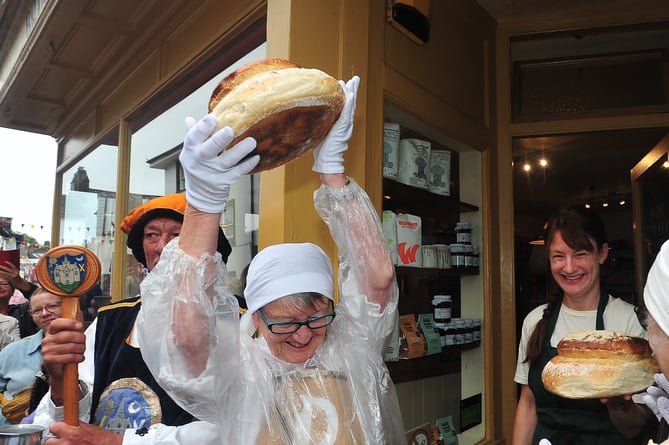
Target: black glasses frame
298,324
50,308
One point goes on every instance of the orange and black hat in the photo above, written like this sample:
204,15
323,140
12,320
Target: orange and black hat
170,206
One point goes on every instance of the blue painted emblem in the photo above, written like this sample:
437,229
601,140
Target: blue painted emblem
67,271
127,403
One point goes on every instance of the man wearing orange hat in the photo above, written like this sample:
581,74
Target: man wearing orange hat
120,399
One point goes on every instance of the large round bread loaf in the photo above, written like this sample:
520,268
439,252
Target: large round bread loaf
286,108
599,364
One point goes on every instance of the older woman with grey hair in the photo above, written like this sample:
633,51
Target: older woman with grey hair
656,320
313,371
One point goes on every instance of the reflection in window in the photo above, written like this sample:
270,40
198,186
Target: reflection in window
87,215
155,171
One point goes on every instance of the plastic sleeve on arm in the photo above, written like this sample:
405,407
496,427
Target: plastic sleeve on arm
368,287
181,296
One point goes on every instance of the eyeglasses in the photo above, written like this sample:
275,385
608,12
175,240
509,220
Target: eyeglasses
288,327
50,308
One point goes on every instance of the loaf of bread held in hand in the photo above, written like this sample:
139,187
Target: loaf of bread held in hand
599,364
286,108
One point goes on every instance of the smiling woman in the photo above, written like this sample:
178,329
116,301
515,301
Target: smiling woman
577,247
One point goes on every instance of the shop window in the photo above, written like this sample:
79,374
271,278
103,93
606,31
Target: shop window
87,215
155,171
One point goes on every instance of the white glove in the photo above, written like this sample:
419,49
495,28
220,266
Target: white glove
210,170
657,397
329,155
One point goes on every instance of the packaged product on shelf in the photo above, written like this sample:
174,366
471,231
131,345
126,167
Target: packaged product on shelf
409,237
463,232
447,430
432,338
442,308
390,231
411,342
391,148
414,161
444,256
439,176
430,256
392,353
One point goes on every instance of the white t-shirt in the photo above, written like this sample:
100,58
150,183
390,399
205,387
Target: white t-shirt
619,315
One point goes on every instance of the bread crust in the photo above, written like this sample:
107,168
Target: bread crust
599,364
288,109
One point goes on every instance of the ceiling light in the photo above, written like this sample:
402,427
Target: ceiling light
587,206
622,202
543,162
527,167
665,164
605,204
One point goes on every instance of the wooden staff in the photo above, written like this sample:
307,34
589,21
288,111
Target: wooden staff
69,272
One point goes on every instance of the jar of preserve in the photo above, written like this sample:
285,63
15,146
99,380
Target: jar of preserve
477,331
442,305
469,332
449,341
459,331
463,232
476,258
441,329
458,257
469,257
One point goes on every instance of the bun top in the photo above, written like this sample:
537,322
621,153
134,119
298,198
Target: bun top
286,108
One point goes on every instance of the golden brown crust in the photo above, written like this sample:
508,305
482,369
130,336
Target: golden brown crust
603,344
286,108
246,72
599,364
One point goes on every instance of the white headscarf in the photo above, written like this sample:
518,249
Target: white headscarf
656,292
285,269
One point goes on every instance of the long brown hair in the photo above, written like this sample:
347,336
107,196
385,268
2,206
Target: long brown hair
581,229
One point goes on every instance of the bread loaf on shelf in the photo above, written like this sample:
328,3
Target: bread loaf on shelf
286,108
599,364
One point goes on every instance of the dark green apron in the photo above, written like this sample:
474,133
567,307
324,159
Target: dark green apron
565,421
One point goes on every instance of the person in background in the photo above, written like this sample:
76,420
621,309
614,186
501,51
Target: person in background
313,372
576,247
655,317
9,326
10,273
121,402
21,360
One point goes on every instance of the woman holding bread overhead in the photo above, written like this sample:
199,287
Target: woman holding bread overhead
308,370
576,248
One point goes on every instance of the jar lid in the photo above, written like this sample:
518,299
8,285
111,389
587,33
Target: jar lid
464,225
441,299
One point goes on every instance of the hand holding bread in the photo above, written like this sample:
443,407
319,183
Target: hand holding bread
329,155
657,397
599,364
210,167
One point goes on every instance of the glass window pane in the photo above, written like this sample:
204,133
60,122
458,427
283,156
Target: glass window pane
87,215
155,171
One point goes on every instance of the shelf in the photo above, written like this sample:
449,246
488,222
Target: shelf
446,362
420,201
431,272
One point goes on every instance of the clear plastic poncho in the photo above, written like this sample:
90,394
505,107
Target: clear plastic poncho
341,395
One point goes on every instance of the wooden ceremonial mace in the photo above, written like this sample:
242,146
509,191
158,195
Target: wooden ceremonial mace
69,272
